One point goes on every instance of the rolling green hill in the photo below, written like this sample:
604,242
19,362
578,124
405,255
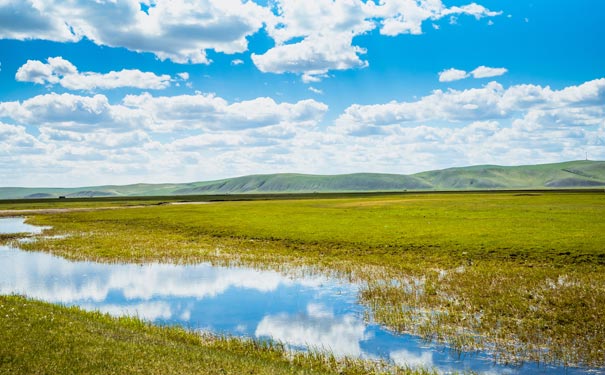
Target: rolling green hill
300,183
573,174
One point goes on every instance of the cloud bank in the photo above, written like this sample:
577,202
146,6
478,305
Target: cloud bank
86,139
317,37
311,38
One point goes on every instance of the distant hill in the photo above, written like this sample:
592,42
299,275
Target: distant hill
301,183
90,194
573,174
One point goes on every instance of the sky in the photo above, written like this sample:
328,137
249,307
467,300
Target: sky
128,91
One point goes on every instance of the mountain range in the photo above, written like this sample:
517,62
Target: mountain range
566,175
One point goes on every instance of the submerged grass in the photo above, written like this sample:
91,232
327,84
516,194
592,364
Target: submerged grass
38,338
520,275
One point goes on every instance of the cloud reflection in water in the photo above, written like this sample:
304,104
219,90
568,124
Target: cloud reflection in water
318,328
305,311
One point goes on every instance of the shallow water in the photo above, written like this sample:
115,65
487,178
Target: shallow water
304,311
17,225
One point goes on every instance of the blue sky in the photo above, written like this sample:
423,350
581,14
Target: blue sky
172,91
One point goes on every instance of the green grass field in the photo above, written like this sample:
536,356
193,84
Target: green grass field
521,274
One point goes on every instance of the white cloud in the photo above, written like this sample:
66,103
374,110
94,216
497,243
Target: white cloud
184,76
325,28
452,74
85,138
60,71
73,112
179,30
315,91
207,111
23,20
313,57
316,37
492,101
237,62
407,17
37,72
493,125
16,141
487,72
163,113
473,9
99,139
311,38
71,139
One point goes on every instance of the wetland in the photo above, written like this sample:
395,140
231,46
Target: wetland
483,282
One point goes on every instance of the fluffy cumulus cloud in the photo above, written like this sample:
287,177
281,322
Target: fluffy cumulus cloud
317,37
33,20
407,17
311,38
491,124
209,112
325,28
16,141
204,136
180,30
163,113
487,72
453,74
313,57
57,70
491,102
72,112
20,153
88,135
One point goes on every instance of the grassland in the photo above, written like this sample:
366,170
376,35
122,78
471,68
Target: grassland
521,274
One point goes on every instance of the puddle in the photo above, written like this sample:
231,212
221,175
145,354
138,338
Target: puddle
17,225
305,311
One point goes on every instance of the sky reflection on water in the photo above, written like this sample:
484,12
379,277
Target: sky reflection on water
17,225
313,311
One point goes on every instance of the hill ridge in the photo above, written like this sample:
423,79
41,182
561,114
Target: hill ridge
570,174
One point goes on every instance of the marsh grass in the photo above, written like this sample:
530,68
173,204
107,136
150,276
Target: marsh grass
519,275
38,337
517,314
6,238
